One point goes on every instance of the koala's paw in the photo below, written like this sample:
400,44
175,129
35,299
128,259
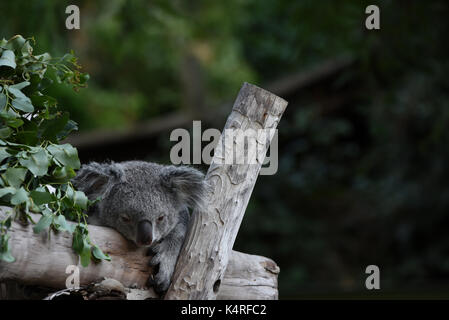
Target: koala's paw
163,263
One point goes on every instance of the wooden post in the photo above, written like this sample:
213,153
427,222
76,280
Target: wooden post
203,260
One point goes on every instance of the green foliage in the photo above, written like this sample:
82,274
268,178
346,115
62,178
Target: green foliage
35,169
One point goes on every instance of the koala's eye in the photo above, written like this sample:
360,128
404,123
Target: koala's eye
125,218
160,218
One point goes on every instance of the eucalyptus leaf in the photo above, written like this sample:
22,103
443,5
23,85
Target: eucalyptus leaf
44,222
5,132
8,59
61,224
52,127
8,113
85,253
21,196
4,154
65,154
41,197
45,57
17,93
68,128
69,192
42,100
14,176
100,255
7,190
7,256
63,174
16,43
14,123
19,86
27,137
37,163
77,241
80,199
23,104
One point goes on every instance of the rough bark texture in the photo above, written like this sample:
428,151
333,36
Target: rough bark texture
42,261
202,263
249,277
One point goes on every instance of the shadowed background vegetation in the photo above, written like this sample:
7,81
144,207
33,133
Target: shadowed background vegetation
363,151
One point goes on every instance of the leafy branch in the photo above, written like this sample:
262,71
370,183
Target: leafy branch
35,169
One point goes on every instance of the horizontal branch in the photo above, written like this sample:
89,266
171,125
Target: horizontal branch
142,130
42,259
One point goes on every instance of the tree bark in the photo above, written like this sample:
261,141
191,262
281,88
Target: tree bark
42,259
203,260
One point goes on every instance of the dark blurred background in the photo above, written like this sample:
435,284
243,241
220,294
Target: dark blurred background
363,144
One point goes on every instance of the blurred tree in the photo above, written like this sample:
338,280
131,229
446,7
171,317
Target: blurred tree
136,53
363,181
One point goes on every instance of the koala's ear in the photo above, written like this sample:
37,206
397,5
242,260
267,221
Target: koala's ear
95,179
187,183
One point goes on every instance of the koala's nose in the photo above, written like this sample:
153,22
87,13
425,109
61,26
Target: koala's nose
144,233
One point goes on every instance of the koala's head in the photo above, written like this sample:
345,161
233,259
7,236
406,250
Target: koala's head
141,200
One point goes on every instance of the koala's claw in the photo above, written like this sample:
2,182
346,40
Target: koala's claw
159,283
163,264
162,284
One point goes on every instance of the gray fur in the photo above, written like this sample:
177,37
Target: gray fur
136,192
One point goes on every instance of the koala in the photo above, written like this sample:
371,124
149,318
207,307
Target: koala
147,203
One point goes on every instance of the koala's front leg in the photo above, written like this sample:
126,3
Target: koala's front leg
165,254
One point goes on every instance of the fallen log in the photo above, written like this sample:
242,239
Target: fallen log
42,260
